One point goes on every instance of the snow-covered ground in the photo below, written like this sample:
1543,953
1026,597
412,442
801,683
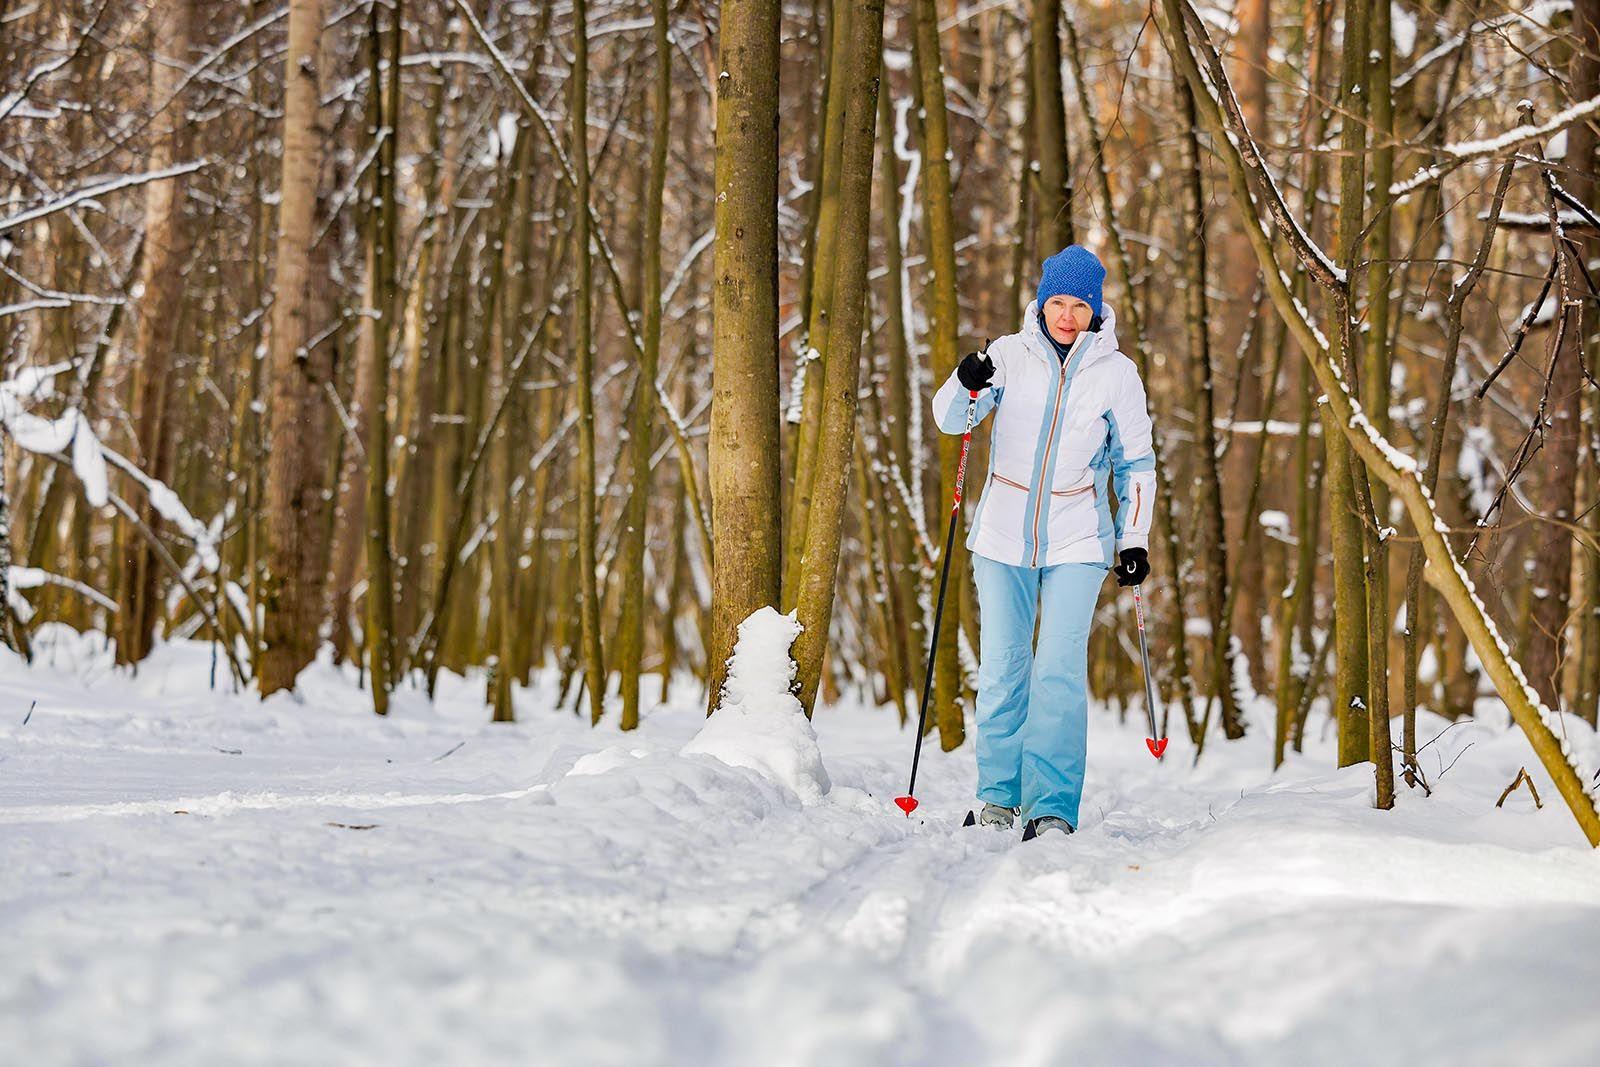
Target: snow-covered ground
189,877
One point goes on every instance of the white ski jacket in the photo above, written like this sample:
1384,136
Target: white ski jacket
1058,430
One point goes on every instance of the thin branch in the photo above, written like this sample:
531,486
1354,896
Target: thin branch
126,181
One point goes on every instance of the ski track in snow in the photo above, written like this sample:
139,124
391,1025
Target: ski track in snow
547,893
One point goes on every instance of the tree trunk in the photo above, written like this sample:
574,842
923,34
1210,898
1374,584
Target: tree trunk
1348,537
824,526
379,320
161,274
630,644
813,362
10,634
1376,392
502,313
1208,497
594,671
943,355
299,376
1547,644
1053,192
1295,641
745,461
895,401
1242,331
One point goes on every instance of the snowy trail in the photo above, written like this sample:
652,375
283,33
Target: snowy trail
553,894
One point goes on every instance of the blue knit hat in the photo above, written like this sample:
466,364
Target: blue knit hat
1073,271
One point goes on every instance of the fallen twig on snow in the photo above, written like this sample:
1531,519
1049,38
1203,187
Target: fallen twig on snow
1522,776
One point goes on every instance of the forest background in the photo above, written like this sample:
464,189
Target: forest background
308,344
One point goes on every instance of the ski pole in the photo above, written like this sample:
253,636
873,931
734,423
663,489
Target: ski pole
1156,745
908,803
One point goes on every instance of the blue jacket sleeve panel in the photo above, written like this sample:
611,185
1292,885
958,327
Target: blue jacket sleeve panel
950,402
1133,460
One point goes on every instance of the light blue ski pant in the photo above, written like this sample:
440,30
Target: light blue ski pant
1033,706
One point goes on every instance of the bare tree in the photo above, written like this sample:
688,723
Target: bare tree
743,450
161,276
300,373
836,439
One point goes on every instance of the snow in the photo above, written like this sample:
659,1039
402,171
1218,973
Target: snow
1535,219
89,464
71,431
759,723
797,385
89,457
193,877
1275,521
1396,458
1272,427
33,577
1402,30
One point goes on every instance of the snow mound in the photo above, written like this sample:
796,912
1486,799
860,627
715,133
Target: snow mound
607,759
758,723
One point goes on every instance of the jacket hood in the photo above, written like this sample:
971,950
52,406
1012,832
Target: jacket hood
1100,344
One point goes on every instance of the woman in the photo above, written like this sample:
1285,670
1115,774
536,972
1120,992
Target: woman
1069,409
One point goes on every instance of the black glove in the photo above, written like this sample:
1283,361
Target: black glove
975,372
1134,567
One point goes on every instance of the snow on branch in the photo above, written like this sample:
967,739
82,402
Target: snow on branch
11,101
52,298
1463,152
33,305
33,578
70,437
1538,15
99,189
170,507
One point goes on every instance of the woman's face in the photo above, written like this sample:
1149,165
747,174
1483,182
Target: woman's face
1066,316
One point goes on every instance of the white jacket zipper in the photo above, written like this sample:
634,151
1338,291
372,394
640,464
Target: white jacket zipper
1050,441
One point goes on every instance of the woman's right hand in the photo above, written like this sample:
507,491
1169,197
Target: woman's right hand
976,371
